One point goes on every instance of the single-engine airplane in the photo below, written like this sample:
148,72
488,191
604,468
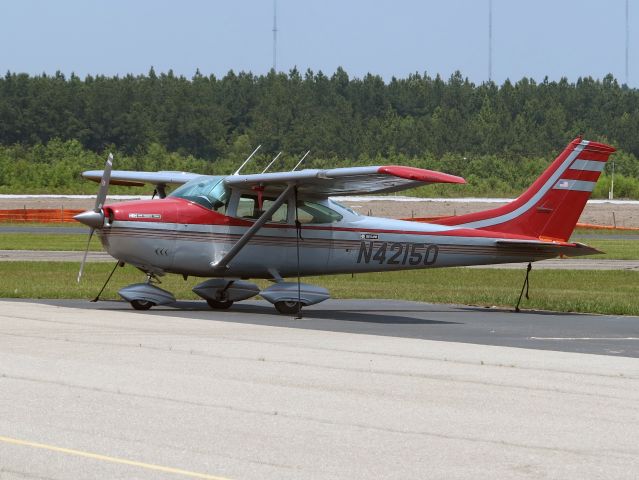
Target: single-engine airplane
232,228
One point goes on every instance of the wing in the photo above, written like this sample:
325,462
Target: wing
137,179
344,181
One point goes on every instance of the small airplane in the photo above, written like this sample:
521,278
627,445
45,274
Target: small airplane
274,225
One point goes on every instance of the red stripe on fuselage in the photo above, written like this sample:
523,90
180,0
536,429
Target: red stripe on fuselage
179,211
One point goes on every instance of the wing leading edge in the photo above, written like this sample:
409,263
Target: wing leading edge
344,181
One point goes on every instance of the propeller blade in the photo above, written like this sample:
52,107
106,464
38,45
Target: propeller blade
104,184
86,252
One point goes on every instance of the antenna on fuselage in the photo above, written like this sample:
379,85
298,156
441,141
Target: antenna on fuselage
272,162
237,172
301,160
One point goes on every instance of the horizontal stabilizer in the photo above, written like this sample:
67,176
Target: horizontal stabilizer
552,249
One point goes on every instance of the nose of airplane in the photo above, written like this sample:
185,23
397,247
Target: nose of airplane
91,218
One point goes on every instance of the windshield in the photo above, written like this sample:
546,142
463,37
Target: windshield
210,192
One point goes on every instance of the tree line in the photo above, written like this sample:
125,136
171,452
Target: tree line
499,135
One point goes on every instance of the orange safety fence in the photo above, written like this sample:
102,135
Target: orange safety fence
605,227
38,215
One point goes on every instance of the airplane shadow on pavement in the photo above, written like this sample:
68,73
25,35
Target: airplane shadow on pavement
266,315
396,317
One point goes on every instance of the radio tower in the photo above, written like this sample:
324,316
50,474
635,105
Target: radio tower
490,40
275,35
627,40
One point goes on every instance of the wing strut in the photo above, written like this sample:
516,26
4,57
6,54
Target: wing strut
244,239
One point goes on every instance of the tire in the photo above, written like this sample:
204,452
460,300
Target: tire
220,305
142,304
288,308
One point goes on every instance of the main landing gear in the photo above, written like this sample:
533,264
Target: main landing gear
220,305
288,297
142,304
288,308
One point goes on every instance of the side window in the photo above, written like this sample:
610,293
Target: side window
280,215
309,212
248,208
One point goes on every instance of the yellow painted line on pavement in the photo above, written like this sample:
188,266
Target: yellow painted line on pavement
106,458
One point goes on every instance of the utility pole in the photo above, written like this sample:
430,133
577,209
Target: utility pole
490,40
611,192
275,35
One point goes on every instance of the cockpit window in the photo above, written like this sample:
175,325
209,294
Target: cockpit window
310,212
210,192
248,208
348,209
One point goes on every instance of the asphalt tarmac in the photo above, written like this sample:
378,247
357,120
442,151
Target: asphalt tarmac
355,390
566,332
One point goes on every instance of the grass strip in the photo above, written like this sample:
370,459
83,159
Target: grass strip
42,241
613,249
589,291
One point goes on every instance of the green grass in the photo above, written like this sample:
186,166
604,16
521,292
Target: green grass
54,241
40,224
593,291
614,249
605,292
595,231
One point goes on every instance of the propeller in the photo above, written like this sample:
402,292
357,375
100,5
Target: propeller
95,218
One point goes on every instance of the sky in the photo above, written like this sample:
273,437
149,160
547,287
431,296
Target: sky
554,38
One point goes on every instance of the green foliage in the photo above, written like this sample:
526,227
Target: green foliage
499,137
57,166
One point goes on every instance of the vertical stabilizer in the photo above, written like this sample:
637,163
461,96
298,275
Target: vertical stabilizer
551,207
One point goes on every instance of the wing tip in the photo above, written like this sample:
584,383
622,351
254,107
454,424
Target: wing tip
420,174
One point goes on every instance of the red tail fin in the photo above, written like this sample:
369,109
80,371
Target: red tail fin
552,205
